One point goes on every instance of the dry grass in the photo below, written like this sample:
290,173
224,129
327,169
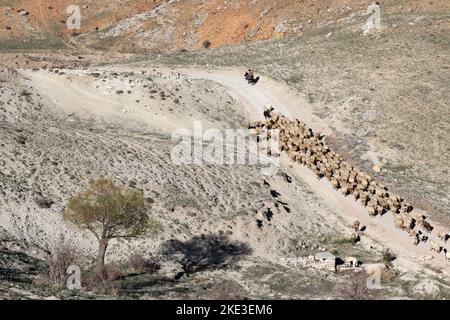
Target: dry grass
355,287
61,258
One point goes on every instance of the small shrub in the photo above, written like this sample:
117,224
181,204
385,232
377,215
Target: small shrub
44,203
206,44
226,290
139,264
355,287
388,257
105,283
61,258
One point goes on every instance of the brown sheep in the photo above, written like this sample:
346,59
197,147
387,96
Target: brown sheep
335,183
364,184
399,222
354,238
395,209
412,233
372,211
345,190
419,217
406,208
363,197
408,223
444,236
435,247
394,198
427,226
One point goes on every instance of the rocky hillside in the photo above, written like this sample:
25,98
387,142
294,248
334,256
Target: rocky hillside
68,117
137,25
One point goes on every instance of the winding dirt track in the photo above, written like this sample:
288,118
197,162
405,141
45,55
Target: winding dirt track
382,229
255,98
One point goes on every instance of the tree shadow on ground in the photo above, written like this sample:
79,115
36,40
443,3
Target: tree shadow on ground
205,252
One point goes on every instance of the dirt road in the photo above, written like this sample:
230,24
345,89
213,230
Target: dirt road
268,91
76,96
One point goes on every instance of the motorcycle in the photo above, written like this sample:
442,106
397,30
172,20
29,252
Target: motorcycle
251,79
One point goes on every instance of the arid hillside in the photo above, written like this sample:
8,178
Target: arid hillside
138,25
104,102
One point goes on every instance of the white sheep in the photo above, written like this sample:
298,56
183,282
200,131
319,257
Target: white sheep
447,253
444,236
435,246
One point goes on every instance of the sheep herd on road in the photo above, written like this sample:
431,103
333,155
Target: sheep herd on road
308,148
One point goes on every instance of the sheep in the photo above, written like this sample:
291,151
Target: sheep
335,183
352,261
372,211
408,223
364,197
427,226
422,237
345,189
380,192
419,217
435,246
384,203
364,184
406,208
399,223
394,207
355,238
412,233
447,253
444,236
305,146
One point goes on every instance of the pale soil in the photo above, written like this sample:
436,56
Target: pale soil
384,96
128,140
381,99
69,93
285,101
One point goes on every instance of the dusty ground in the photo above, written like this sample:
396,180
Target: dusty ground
141,25
72,116
387,111
58,134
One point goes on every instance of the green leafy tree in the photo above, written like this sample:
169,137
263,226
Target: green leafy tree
110,212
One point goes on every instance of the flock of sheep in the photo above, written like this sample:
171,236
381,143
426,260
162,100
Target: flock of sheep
304,146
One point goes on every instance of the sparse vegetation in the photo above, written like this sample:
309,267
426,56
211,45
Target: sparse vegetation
139,264
61,258
388,257
31,44
226,290
68,116
355,287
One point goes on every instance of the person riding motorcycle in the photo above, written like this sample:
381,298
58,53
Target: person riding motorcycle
249,75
